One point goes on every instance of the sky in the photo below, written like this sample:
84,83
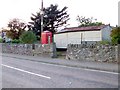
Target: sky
105,11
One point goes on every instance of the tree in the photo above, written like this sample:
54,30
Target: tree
28,37
115,35
53,18
83,21
16,28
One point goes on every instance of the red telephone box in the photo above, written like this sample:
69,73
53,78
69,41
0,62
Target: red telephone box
46,37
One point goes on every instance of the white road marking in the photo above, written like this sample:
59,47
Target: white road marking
101,71
82,68
26,71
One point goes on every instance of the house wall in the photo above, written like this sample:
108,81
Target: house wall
0,34
106,33
63,39
74,37
92,36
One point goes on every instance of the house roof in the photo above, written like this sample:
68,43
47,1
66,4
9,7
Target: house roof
87,28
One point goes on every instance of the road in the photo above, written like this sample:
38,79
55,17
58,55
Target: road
17,73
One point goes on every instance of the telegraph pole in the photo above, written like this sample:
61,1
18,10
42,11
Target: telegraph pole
42,14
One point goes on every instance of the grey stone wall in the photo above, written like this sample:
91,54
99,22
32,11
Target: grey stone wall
93,52
28,49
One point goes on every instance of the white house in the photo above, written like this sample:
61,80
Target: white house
77,35
4,36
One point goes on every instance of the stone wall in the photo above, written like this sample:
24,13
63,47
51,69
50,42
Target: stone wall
93,52
29,49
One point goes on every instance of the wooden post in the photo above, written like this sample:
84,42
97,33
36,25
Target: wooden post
81,37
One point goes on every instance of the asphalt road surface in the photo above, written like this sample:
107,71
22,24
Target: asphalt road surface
17,73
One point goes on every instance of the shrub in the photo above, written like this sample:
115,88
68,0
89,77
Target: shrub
105,42
16,41
1,40
115,35
28,37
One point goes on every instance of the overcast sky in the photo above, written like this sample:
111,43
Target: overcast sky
105,11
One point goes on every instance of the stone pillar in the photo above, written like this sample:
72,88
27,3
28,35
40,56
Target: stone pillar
68,52
118,53
54,51
119,61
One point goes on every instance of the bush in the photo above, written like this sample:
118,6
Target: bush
115,35
105,42
28,37
15,41
1,40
